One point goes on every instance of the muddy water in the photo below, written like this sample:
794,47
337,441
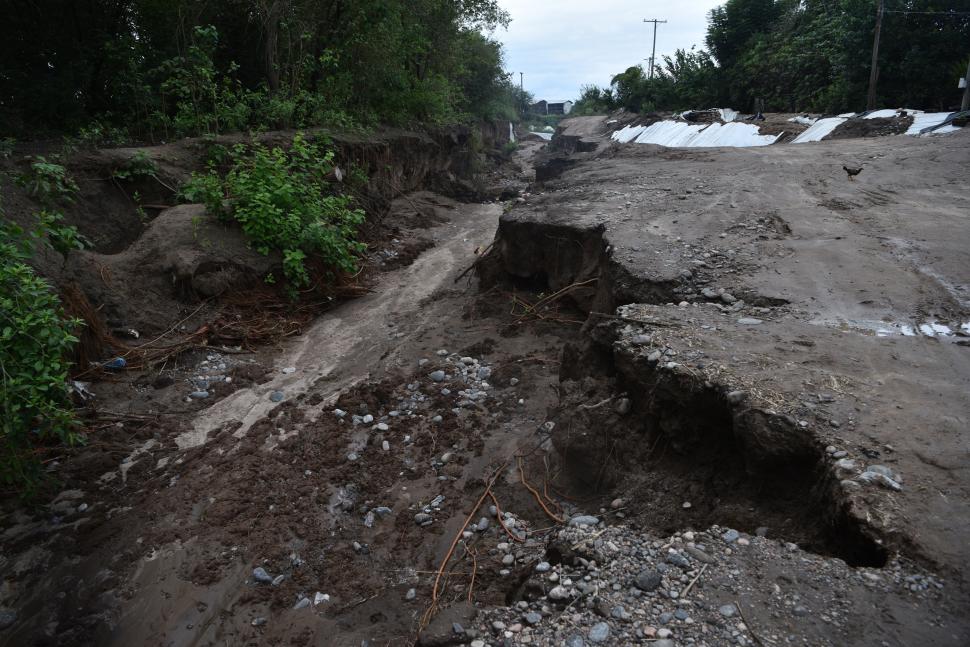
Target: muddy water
349,345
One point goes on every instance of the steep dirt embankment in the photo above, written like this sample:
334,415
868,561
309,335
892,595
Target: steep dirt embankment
761,374
150,257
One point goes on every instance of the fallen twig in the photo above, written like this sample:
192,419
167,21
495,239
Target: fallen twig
747,624
687,589
478,260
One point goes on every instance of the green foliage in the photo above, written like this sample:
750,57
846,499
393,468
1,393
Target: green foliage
48,182
6,147
35,340
140,165
805,55
153,69
98,134
280,199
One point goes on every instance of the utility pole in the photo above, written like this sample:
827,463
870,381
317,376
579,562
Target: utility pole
874,70
653,56
521,81
965,104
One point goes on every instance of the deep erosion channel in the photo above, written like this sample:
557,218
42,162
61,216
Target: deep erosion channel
690,451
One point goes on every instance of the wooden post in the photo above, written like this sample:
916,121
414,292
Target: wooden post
965,104
874,70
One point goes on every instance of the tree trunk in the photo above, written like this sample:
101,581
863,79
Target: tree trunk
272,10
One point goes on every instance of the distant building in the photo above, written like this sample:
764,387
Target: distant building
552,107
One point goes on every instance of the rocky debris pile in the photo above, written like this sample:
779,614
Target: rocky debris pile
212,370
615,586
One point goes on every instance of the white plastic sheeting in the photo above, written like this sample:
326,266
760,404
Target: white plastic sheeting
679,134
820,129
805,121
728,115
923,120
882,114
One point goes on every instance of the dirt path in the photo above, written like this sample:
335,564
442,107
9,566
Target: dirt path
359,340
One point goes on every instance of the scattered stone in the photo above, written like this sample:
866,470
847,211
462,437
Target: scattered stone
423,519
411,594
261,576
289,369
616,504
7,618
543,567
728,610
699,555
599,632
575,640
437,376
302,603
533,618
558,593
730,536
749,321
258,621
623,406
584,520
199,395
276,396
648,580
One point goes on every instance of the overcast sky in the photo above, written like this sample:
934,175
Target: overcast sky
563,45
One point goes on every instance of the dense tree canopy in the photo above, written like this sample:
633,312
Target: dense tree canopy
172,67
807,55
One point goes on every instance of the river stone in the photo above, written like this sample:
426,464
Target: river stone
584,520
261,576
648,580
599,632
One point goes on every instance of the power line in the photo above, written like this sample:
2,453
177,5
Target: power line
653,56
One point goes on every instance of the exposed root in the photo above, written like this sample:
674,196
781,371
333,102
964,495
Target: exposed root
436,589
501,522
538,497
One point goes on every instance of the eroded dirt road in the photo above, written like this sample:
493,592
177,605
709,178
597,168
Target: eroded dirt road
646,421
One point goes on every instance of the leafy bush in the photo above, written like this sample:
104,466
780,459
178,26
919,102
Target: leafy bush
281,201
48,182
35,340
139,165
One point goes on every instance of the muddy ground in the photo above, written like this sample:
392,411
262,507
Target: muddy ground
686,378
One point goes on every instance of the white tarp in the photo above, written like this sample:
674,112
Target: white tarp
882,114
818,130
679,134
805,121
923,120
627,134
728,115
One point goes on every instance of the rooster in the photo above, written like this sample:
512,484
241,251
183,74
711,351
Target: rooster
852,171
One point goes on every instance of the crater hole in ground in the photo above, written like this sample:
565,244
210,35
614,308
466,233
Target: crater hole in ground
679,463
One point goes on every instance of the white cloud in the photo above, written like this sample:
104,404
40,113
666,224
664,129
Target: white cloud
561,46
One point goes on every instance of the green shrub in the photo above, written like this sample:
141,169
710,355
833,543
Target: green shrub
139,165
280,199
48,182
35,340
